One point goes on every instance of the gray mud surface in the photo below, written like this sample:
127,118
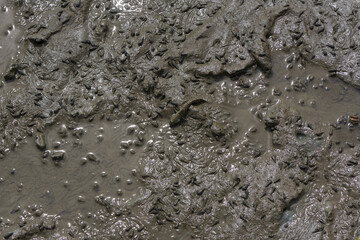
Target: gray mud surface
264,143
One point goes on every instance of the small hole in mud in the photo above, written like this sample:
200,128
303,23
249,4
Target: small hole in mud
300,135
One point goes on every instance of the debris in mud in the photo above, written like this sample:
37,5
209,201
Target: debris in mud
354,120
31,228
57,155
40,141
178,117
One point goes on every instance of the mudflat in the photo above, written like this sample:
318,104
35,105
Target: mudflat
100,136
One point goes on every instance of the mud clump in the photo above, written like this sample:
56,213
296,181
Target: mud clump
98,117
40,141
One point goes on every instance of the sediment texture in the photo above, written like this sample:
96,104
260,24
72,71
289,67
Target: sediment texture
245,163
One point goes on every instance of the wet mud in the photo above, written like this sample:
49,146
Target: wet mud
179,120
9,36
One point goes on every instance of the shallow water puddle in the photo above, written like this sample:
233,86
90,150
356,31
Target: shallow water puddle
84,161
9,35
301,86
309,89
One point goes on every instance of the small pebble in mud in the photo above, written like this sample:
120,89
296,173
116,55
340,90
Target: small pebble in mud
40,141
1,180
8,222
66,184
78,132
312,103
83,161
150,143
81,199
56,144
77,143
91,157
256,153
13,171
129,182
329,208
57,155
125,144
103,174
290,66
96,185
101,130
141,136
301,101
310,78
289,59
252,129
287,76
39,212
133,172
100,138
119,192
130,130
315,86
46,153
122,151
269,100
100,197
62,131
117,178
276,92
217,129
132,151
350,144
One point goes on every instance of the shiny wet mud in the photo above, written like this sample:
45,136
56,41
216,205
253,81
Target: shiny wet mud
87,150
9,36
